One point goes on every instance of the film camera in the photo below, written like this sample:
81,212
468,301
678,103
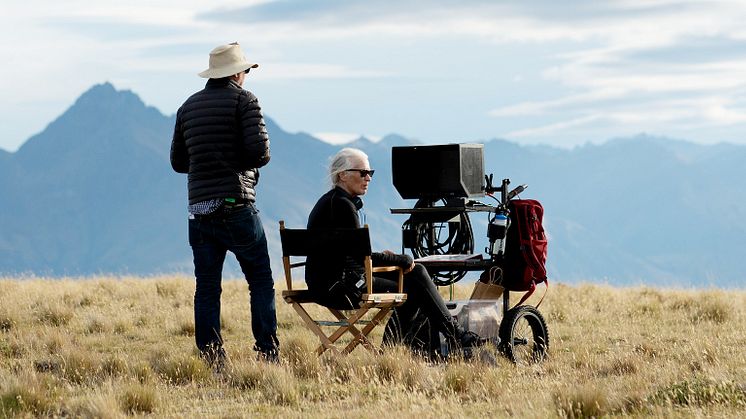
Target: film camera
439,171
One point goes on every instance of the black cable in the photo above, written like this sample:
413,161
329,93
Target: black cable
428,240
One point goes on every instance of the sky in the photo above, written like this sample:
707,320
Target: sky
562,73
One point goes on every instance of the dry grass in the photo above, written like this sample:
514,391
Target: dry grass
117,347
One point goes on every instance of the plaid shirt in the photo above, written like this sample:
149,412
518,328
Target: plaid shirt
205,207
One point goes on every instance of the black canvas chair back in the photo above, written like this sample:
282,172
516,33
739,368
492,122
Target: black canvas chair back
346,242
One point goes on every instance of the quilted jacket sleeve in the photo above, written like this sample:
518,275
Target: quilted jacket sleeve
255,139
179,156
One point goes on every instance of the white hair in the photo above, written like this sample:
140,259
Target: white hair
344,160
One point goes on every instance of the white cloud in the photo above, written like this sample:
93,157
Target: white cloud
339,138
551,129
543,107
280,70
596,62
686,115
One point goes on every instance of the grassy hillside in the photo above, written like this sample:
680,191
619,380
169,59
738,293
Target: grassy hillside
112,347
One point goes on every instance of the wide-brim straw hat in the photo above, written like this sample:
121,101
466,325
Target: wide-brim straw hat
227,60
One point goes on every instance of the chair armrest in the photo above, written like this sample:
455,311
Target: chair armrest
385,268
392,269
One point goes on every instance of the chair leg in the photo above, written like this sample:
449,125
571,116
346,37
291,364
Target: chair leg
341,330
362,336
311,324
358,336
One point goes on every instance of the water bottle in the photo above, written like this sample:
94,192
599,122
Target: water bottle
496,232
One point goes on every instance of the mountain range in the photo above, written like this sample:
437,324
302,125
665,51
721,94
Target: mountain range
94,193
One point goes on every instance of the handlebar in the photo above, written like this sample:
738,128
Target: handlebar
516,191
503,189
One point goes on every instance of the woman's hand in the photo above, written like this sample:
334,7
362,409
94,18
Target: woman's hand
409,268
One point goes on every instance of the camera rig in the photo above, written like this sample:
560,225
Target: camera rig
445,179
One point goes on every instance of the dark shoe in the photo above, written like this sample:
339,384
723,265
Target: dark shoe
487,358
272,357
471,340
475,355
215,359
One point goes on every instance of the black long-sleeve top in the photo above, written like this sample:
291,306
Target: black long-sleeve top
338,209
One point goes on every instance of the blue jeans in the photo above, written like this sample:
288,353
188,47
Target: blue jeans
240,231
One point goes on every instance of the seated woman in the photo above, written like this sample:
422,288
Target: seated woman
334,280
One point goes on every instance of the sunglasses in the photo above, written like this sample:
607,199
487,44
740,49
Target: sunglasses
363,172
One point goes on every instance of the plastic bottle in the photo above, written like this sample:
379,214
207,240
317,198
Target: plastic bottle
496,233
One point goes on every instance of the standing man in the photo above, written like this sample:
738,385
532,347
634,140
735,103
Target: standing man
220,140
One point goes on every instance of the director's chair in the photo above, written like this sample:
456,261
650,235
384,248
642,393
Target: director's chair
298,243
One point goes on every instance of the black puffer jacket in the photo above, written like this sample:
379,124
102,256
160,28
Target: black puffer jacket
220,140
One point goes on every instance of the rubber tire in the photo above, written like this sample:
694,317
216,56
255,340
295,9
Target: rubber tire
524,326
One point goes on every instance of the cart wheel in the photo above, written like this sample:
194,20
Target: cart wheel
524,337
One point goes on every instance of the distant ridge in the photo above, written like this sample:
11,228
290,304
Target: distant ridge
94,193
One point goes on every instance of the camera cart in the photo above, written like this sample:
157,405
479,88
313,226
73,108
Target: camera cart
438,232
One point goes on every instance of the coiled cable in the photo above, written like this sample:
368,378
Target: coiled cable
440,238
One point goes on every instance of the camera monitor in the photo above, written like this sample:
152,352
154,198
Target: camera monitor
438,171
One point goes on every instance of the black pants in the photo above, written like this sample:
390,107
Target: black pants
422,315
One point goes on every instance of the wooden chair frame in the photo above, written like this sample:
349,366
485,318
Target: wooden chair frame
301,243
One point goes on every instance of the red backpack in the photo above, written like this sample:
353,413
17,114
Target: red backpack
525,248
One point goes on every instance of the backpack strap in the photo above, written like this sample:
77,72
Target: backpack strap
531,291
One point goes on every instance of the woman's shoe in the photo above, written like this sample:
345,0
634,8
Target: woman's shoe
470,339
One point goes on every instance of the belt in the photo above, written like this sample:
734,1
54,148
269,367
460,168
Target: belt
230,206
225,209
